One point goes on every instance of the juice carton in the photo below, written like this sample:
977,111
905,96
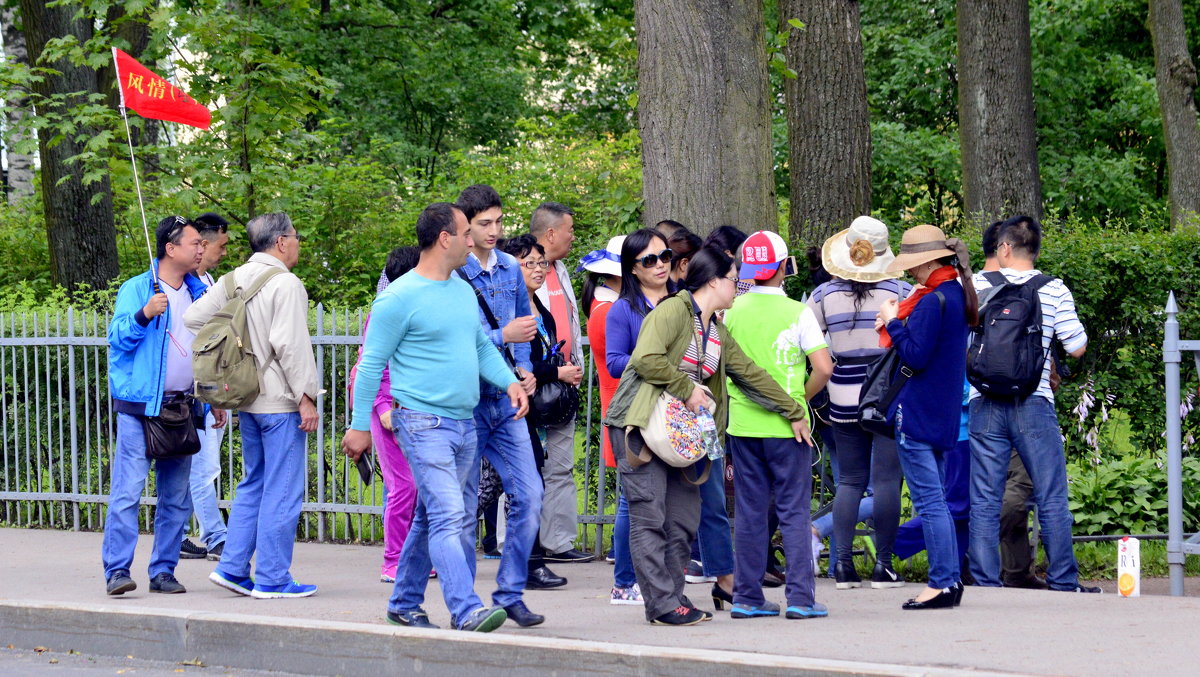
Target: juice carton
1129,567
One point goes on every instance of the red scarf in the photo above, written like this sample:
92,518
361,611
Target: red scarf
936,278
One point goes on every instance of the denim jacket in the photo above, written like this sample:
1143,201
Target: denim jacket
137,356
503,289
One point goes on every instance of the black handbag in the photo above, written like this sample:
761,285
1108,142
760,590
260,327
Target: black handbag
172,433
556,402
885,379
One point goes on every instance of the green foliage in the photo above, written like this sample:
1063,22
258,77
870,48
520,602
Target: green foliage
1128,495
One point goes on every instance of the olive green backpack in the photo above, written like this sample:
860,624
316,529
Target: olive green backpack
227,376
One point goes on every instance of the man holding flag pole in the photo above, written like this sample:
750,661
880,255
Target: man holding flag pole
150,370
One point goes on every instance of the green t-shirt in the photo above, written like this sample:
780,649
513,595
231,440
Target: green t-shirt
778,334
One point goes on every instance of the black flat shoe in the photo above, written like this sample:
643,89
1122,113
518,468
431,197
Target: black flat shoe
943,600
542,578
957,588
720,597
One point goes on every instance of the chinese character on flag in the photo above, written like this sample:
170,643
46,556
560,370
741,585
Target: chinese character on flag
153,97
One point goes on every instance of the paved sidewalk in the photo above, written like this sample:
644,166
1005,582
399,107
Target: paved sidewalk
995,630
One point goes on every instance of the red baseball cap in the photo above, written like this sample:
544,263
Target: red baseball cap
762,253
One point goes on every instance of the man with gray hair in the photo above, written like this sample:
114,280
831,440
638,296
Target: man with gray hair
262,522
553,225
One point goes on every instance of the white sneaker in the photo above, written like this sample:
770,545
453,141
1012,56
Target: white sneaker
631,596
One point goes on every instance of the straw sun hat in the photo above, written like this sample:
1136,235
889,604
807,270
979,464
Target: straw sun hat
922,244
860,253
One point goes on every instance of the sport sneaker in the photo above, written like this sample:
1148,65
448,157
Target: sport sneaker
387,578
884,576
610,557
166,584
571,556
492,554
741,610
484,619
413,618
631,596
845,576
189,550
120,583
682,615
694,573
214,553
238,584
292,589
817,610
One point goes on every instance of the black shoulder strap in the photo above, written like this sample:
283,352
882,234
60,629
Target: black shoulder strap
1039,281
487,313
995,277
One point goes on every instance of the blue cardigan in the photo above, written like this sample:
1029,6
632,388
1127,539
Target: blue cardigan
934,345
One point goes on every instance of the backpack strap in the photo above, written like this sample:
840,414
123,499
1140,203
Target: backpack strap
260,283
995,277
1040,280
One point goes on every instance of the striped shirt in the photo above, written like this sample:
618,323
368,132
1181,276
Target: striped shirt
853,341
712,352
1059,320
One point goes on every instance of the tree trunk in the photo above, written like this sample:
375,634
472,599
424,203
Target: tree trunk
829,136
1176,78
79,218
997,124
19,180
705,114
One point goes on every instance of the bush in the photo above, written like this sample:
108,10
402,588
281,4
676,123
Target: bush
1128,496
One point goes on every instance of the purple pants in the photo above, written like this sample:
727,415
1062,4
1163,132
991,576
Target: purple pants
401,495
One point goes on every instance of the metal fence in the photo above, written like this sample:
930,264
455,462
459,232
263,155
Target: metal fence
1177,547
57,432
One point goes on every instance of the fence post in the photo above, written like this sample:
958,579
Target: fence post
1171,359
320,429
73,418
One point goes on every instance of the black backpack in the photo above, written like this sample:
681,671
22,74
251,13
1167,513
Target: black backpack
1006,356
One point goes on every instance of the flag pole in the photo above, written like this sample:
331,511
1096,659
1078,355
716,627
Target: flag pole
133,161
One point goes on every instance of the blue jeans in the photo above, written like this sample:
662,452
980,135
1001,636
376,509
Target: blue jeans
715,535
206,468
623,573
441,453
505,444
924,469
266,508
129,470
1031,427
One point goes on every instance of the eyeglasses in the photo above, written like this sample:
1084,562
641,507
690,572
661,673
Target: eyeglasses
735,279
651,260
295,234
543,264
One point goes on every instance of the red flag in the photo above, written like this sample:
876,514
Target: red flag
153,97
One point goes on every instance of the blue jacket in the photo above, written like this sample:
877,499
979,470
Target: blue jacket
934,345
504,290
137,356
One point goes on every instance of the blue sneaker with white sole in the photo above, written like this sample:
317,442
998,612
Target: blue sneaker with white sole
747,611
817,610
238,584
292,589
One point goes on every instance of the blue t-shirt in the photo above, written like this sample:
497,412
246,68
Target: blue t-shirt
428,333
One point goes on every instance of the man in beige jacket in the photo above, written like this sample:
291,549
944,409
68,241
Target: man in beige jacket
262,522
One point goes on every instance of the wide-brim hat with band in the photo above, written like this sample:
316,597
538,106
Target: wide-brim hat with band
605,261
860,253
922,244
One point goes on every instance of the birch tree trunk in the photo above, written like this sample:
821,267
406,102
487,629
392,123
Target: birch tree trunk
19,180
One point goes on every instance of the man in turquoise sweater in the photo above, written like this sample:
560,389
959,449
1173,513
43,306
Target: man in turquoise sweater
425,327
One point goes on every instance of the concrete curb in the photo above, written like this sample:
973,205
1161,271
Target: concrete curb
330,648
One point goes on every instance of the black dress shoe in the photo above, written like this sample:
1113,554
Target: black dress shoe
1028,582
522,616
542,578
958,592
571,556
773,579
720,597
942,600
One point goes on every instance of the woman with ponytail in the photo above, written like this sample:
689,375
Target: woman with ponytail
929,330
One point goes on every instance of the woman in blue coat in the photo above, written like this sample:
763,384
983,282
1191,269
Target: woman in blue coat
929,330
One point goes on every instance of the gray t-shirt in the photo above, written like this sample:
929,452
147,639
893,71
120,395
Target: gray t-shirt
179,340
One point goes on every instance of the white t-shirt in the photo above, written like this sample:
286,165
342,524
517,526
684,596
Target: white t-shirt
179,340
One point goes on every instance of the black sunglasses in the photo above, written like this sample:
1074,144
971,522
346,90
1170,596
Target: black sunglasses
651,260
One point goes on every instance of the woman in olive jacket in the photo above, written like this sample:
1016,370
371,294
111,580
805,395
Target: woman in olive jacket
682,345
